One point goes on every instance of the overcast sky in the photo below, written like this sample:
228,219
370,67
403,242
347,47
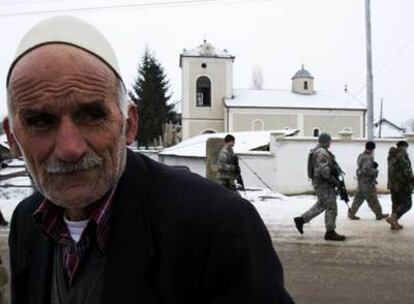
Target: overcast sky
328,36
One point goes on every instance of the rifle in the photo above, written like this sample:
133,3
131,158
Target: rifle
338,175
239,177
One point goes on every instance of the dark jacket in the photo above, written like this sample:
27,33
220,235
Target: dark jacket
176,238
400,172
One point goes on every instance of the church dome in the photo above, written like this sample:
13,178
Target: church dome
302,73
207,49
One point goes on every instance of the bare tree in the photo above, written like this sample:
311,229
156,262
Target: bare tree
408,125
257,78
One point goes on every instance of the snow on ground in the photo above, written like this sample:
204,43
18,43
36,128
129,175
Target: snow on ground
10,196
277,212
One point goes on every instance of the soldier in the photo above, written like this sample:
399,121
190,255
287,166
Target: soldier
400,182
321,169
367,174
227,164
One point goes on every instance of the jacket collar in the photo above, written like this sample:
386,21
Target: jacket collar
130,246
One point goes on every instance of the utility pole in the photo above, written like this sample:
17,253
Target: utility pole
380,120
370,82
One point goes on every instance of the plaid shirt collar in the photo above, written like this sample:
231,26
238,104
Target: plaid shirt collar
49,218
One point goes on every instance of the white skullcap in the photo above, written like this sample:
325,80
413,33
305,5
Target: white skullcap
67,30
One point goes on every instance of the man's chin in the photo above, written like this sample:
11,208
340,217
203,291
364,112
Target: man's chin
74,197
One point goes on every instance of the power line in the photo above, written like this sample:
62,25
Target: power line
15,3
130,5
388,62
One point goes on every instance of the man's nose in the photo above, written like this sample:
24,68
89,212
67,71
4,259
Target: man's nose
70,146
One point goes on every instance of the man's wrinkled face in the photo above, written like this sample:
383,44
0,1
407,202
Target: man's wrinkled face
67,124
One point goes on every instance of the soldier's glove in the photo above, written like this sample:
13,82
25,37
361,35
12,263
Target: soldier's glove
334,182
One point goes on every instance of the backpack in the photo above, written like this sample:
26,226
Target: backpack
311,172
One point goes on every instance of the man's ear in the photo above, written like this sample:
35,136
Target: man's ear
10,138
131,124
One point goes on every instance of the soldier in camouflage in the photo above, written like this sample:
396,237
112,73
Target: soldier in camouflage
367,174
321,169
226,164
400,183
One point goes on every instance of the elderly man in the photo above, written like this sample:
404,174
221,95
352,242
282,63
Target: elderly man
108,225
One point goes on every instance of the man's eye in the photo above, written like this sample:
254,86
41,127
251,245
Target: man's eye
91,115
40,121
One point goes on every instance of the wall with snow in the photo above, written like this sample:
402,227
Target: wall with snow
290,157
284,168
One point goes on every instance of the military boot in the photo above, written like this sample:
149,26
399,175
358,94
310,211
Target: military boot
333,236
299,222
393,221
352,216
382,216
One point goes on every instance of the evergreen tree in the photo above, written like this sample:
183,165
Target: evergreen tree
150,94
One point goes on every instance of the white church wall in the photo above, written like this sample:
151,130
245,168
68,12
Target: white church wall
197,127
332,122
195,118
244,122
298,86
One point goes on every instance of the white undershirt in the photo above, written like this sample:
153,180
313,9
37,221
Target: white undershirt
76,228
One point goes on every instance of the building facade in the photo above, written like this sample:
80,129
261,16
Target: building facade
210,103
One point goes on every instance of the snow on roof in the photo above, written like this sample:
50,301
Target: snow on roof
287,99
245,142
206,50
388,129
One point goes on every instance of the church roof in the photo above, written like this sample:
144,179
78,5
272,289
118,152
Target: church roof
248,98
388,129
206,50
245,142
302,73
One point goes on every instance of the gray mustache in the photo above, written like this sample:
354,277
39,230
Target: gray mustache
87,162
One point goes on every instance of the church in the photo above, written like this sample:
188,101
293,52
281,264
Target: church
210,104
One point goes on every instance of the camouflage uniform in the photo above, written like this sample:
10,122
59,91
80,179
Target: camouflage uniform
367,174
324,185
400,180
227,168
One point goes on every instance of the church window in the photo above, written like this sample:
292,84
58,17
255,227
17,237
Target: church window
204,65
316,132
305,85
257,125
203,97
208,132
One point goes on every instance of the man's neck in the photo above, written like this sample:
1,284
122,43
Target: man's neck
76,214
